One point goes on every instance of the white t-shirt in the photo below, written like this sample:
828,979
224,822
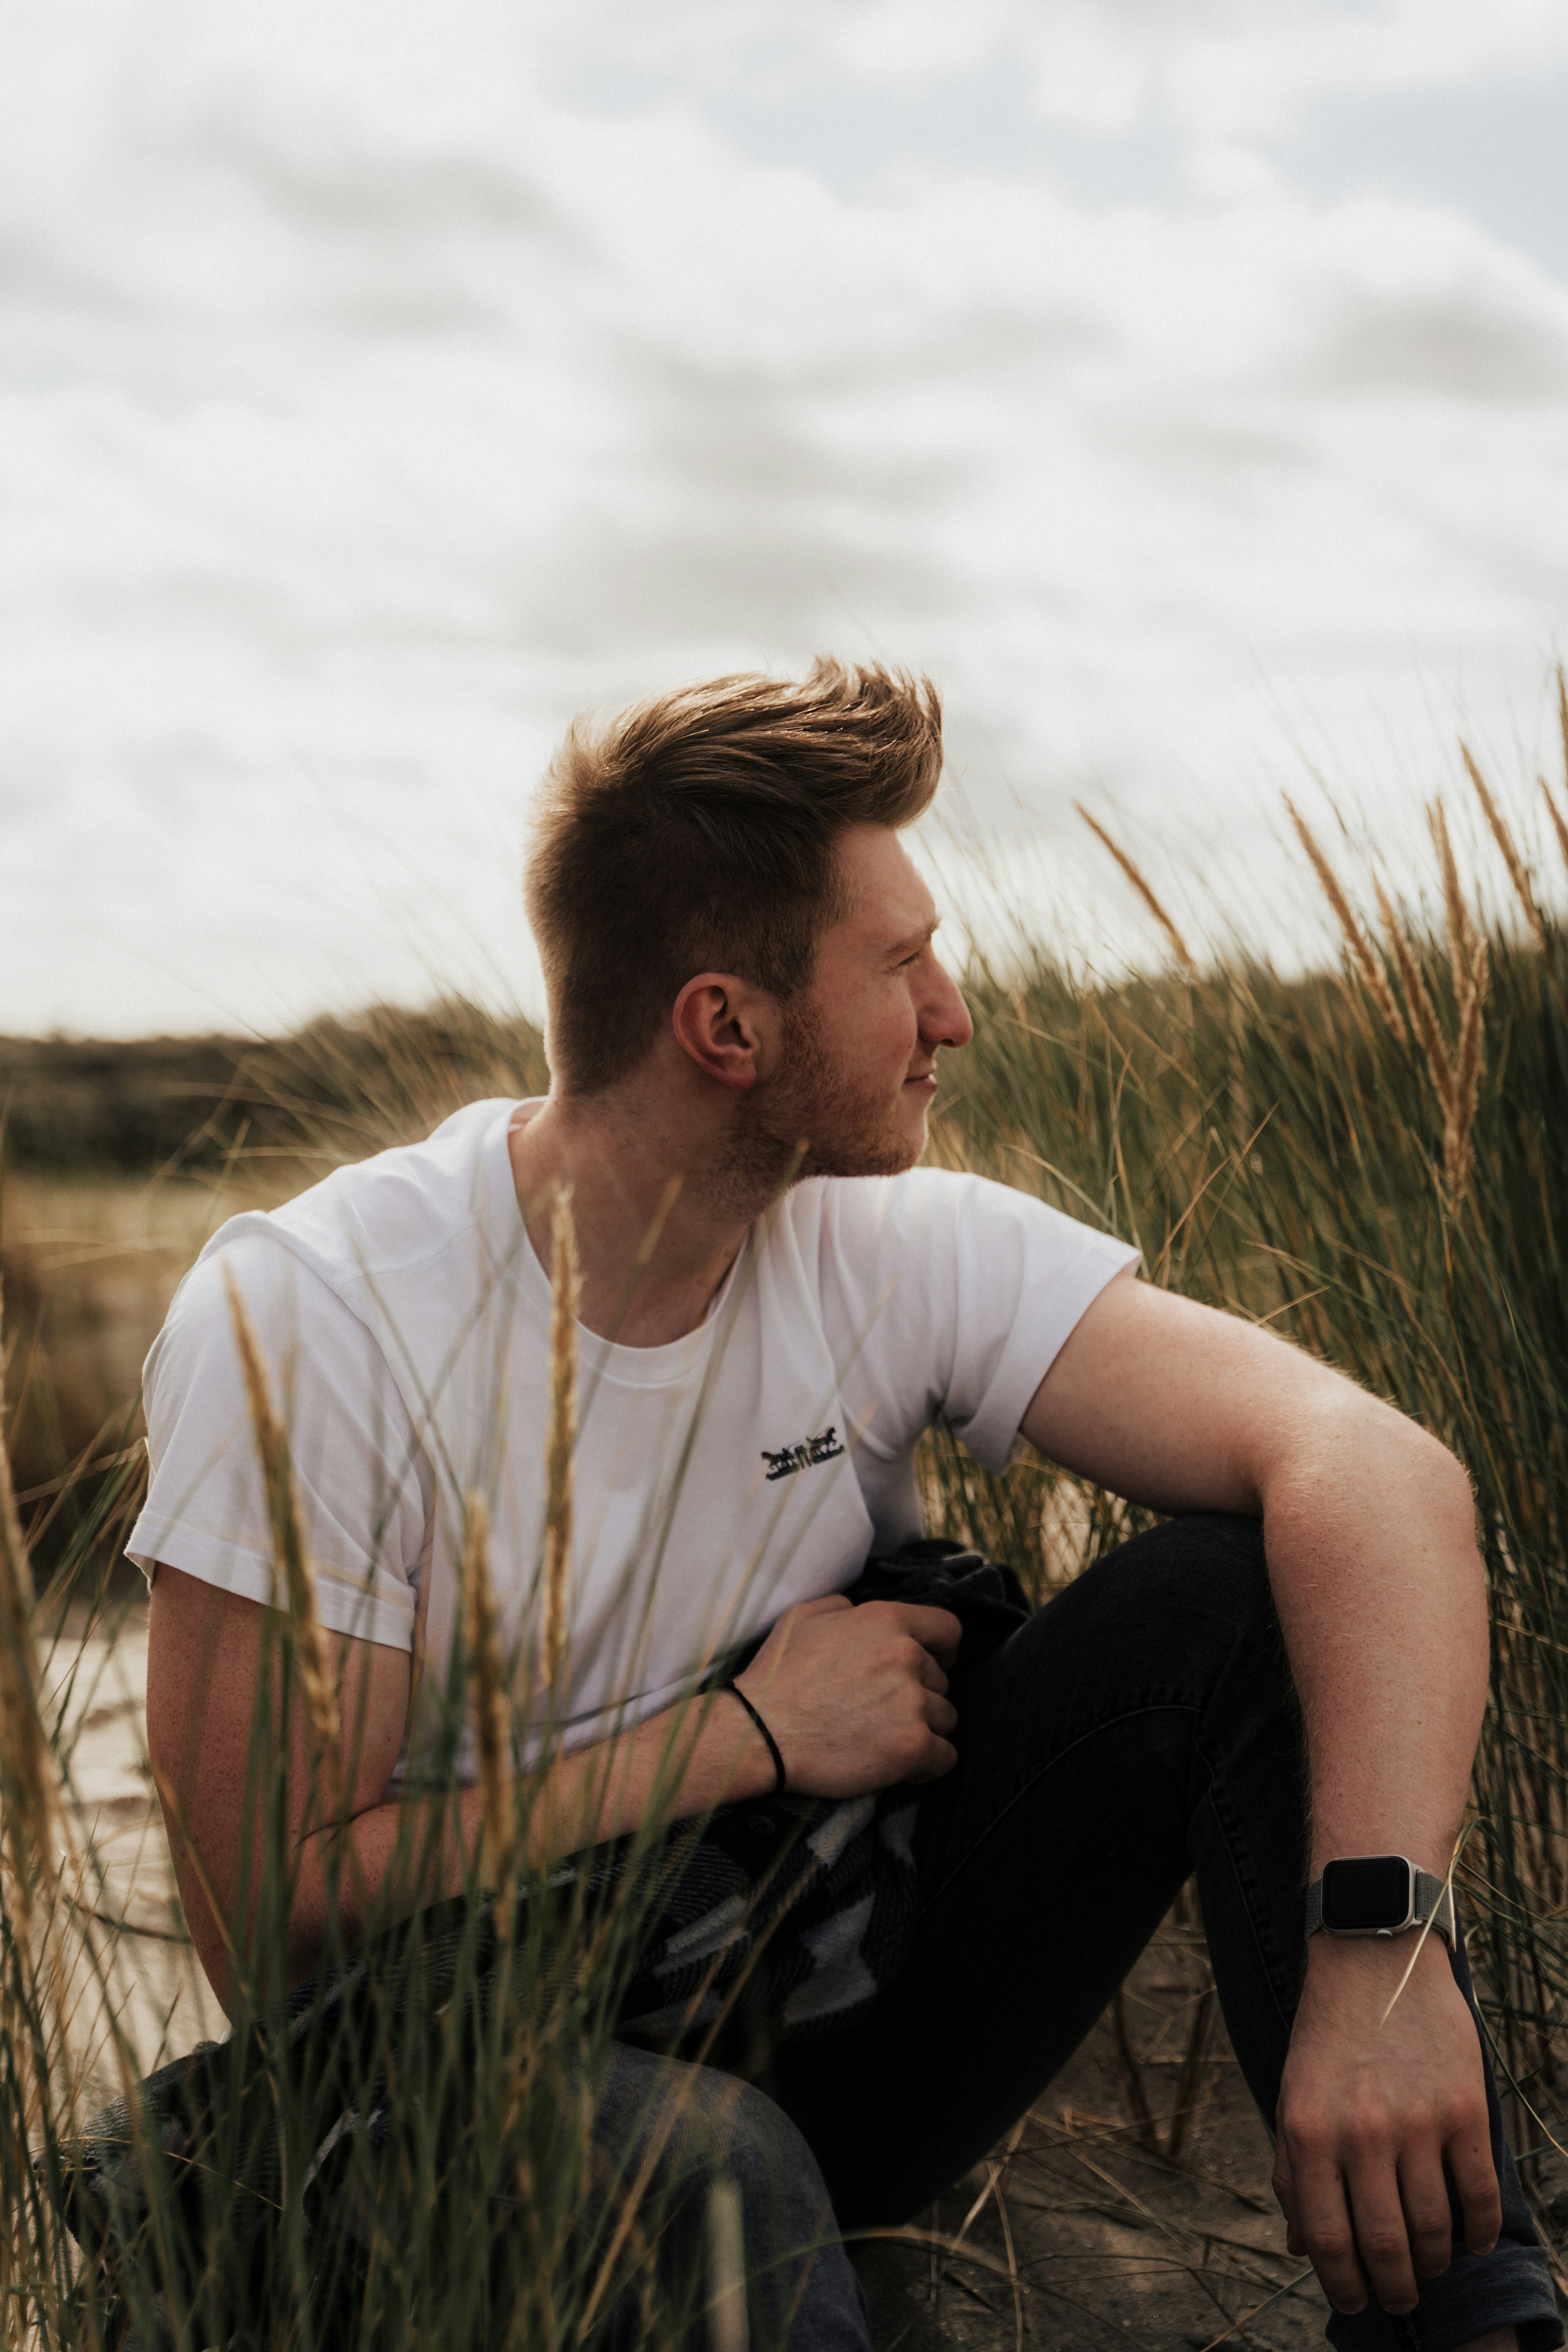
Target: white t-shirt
404,1318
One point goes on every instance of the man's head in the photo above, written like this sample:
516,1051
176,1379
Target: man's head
852,1078
747,829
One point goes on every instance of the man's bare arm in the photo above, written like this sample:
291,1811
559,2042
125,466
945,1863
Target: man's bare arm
1370,1527
856,1698
1370,1533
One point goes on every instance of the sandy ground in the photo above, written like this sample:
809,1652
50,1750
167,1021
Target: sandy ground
146,1980
1079,2233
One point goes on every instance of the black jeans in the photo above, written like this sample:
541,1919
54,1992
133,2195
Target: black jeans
1141,1727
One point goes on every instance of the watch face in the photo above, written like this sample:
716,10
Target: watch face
1373,1891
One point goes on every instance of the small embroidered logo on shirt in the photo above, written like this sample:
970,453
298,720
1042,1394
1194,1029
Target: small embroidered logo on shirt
803,1457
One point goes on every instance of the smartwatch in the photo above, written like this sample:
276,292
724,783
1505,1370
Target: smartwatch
1379,1895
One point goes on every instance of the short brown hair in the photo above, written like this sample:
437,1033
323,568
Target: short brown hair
695,832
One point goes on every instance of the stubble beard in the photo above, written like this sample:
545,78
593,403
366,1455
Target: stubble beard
812,1120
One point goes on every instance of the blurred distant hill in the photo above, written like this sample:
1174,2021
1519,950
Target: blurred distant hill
85,1105
92,1244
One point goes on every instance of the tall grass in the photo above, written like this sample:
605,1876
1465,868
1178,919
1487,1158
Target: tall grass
1376,1162
1373,1158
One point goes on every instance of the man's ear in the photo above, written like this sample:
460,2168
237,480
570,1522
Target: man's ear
723,1023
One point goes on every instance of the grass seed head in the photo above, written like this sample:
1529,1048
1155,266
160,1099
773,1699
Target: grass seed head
32,1963
1360,945
1506,843
1417,996
565,1282
492,1726
1183,953
294,1586
29,1778
1471,968
1464,940
26,1758
1458,1158
1559,823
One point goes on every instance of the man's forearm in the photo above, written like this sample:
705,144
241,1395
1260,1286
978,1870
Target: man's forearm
1382,2102
1369,1530
392,1859
857,1697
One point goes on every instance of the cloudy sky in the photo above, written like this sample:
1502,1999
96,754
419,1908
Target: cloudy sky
1185,385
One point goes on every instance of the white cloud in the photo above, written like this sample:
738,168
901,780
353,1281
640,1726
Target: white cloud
377,386
1254,67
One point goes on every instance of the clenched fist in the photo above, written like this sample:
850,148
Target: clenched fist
856,1698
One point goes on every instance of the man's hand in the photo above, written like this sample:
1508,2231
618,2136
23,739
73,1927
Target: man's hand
1368,2113
856,1698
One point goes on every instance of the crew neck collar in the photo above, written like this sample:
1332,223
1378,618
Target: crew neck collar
674,1360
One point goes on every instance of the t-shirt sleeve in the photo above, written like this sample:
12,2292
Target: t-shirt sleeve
360,1479
961,1293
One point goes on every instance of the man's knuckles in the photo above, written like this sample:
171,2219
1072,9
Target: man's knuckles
937,1757
1360,2131
1328,2242
1370,2136
1310,2137
936,1631
920,1743
1461,2122
1385,2243
1430,2249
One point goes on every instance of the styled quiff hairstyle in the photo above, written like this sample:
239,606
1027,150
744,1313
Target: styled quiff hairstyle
697,832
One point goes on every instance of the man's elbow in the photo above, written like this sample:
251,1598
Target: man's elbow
1447,1499
1344,1441
1453,1480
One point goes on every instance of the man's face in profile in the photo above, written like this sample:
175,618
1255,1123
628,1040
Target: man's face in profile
856,1076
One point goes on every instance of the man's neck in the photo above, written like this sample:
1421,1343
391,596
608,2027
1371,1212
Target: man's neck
658,1224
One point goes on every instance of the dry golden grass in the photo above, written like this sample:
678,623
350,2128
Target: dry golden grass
1144,888
561,1443
296,1584
1507,846
487,1695
1362,955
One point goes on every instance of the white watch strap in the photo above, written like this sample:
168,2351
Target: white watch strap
1434,1901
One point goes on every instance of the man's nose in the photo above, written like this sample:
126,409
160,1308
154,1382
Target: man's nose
945,1016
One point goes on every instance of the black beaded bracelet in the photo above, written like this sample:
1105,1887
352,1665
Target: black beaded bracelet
781,1781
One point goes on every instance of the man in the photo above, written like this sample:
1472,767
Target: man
746,1011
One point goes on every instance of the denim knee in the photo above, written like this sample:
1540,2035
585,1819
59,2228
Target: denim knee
683,2127
1217,1552
729,2137
698,2121
729,2127
1204,1570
